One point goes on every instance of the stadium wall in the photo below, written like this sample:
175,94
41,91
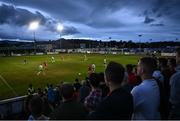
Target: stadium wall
12,106
124,51
168,54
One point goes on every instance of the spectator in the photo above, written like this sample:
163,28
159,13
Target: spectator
146,96
103,86
40,93
47,108
132,79
119,103
35,106
172,65
163,66
95,96
57,95
87,82
84,91
166,72
51,95
26,105
139,80
164,103
125,84
70,108
175,90
158,76
30,89
46,88
77,85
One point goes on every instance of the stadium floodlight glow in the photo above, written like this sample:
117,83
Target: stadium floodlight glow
60,27
33,25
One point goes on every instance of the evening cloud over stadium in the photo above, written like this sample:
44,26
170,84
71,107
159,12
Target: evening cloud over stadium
93,19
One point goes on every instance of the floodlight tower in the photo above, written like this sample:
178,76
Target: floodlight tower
33,26
60,29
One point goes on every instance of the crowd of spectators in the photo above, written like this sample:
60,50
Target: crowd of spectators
146,91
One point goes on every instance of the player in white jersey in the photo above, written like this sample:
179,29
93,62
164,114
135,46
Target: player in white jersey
105,61
85,57
93,67
52,59
40,70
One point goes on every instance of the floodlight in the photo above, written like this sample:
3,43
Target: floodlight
33,25
60,27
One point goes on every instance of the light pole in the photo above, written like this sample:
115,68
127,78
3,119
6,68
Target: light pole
140,41
33,26
150,42
60,29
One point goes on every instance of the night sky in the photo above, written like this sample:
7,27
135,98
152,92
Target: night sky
91,19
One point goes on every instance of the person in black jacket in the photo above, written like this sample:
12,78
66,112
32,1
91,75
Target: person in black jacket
69,109
119,103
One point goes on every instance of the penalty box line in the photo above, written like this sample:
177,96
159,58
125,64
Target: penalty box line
6,83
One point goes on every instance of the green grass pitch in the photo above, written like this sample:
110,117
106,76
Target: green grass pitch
18,75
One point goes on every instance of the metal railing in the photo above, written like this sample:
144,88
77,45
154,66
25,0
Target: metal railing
12,106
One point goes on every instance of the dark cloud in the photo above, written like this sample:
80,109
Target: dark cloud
145,12
69,30
93,13
159,15
22,17
157,25
104,23
163,5
93,18
11,15
4,35
166,7
110,6
148,20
